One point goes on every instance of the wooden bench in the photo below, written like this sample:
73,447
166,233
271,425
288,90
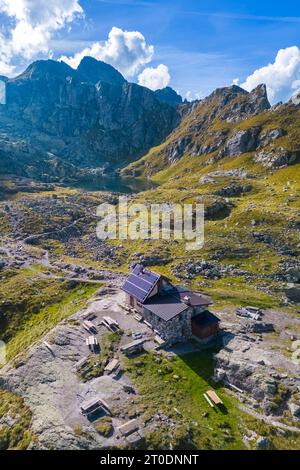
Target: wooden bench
214,397
111,324
49,347
89,326
129,427
148,324
112,365
92,343
138,317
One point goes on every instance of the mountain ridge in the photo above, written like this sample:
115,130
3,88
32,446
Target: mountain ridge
96,121
229,122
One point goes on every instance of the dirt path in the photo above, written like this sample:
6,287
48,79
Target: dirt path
268,420
70,278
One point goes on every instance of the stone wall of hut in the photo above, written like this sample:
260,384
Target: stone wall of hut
175,330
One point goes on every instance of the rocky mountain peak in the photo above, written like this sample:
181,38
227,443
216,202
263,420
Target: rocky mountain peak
88,117
169,96
232,90
207,128
260,97
94,71
41,69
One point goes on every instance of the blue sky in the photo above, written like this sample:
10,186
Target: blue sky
203,45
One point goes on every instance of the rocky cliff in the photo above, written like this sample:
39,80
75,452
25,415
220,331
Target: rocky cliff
89,117
211,126
169,96
228,123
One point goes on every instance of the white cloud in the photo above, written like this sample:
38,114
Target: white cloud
125,50
190,96
235,81
6,69
155,78
296,84
280,77
31,26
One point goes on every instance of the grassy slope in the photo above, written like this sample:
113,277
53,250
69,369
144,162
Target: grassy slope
31,306
156,165
17,436
272,205
175,388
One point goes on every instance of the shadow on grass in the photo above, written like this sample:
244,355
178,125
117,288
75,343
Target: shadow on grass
202,363
223,409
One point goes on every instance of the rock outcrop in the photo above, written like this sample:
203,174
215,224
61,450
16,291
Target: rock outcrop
169,96
242,142
276,157
211,127
246,364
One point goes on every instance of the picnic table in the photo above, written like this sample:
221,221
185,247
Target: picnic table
89,326
111,324
92,342
112,365
214,397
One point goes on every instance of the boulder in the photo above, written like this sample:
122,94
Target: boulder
263,443
258,327
295,410
217,210
242,141
269,136
293,294
276,157
234,190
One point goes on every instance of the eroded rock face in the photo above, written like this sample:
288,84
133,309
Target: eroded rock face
86,117
256,102
196,135
268,137
244,363
177,149
242,142
276,157
169,96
